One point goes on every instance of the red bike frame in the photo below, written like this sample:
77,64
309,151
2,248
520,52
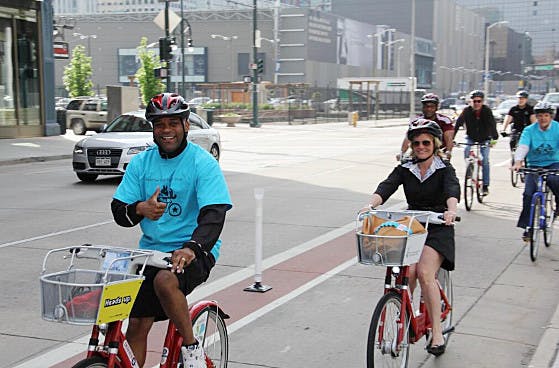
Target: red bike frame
117,351
421,323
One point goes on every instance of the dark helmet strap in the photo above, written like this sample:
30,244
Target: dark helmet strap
419,160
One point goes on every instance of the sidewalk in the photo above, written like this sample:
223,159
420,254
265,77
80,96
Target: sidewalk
22,150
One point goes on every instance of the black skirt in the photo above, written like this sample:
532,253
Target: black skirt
441,239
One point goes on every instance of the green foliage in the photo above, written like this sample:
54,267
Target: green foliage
149,84
266,107
77,74
213,105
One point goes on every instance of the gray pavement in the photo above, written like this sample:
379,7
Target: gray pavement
37,149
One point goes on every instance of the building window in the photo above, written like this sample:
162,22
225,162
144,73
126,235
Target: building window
535,3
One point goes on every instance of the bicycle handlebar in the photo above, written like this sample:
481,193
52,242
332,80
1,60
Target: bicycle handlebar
458,144
433,217
539,171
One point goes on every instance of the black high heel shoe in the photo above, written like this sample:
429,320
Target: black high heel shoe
436,350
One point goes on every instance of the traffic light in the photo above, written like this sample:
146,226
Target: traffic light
165,48
260,66
189,42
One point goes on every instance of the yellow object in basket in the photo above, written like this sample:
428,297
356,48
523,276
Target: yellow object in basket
117,300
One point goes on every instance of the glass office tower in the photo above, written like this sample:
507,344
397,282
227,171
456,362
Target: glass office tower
538,19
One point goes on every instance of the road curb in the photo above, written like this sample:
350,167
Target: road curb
548,347
34,159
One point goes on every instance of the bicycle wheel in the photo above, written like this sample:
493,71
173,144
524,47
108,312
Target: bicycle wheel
549,217
479,184
210,330
514,175
93,362
536,235
445,280
468,187
387,353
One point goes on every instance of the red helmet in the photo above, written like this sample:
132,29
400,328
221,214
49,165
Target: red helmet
430,98
420,125
167,104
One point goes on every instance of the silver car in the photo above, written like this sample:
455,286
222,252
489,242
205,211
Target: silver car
110,151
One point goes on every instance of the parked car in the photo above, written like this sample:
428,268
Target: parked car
110,151
503,109
83,114
196,101
552,98
447,102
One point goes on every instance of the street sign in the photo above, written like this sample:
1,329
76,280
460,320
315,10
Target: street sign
543,67
174,20
252,66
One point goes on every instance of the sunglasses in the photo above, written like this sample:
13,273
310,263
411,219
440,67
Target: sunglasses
425,143
477,101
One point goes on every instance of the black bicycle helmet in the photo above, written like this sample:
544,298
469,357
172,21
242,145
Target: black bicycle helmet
522,94
430,97
421,125
167,104
543,107
477,93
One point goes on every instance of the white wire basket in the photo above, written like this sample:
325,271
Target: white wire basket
391,250
87,292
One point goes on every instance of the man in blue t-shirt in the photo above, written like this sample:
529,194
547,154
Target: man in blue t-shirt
539,146
177,193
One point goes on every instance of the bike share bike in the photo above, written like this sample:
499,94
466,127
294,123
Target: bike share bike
395,323
473,178
98,287
515,176
542,210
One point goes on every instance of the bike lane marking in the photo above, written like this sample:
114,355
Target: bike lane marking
290,273
288,279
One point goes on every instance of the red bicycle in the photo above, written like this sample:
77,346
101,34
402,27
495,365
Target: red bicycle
394,324
99,285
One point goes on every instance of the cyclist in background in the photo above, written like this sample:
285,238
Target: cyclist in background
429,184
539,146
480,128
430,105
177,193
520,116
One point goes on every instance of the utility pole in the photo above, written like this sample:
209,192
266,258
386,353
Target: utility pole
254,123
182,89
167,37
412,61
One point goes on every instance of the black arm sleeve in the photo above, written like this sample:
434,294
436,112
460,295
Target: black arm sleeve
459,123
210,224
390,184
124,213
451,183
493,124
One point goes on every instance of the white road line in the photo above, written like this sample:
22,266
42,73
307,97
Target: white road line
54,234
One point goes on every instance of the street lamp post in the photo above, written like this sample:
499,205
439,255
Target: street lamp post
83,37
398,51
388,44
486,75
378,35
230,39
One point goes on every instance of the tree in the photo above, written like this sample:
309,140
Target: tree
150,85
77,75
